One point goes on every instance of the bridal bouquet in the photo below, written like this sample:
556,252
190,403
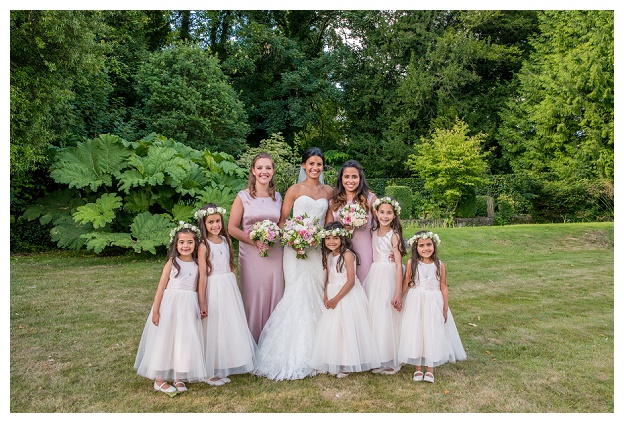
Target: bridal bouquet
354,216
301,232
265,231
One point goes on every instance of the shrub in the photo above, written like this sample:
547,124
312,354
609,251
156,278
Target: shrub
467,206
404,196
506,210
481,205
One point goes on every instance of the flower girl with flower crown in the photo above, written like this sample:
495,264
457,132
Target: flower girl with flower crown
429,336
172,344
230,347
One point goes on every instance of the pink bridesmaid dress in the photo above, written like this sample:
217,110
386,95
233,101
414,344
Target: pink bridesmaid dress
362,241
261,278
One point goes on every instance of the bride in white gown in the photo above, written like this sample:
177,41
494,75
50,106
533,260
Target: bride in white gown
285,344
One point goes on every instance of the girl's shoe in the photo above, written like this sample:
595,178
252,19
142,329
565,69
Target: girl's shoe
180,386
342,375
170,390
378,370
225,379
391,371
218,382
418,376
428,377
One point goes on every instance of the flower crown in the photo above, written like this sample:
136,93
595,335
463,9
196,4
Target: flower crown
334,232
200,214
183,225
387,200
425,235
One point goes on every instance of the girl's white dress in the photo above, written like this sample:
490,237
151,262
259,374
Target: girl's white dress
175,348
380,287
230,347
425,339
344,341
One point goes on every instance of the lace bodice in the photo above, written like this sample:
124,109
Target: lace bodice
427,278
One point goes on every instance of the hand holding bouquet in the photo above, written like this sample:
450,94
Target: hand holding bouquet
267,232
301,232
353,216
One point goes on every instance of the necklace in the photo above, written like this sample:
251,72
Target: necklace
316,188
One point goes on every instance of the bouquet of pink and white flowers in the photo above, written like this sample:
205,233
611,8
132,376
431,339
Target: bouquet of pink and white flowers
353,216
301,232
265,231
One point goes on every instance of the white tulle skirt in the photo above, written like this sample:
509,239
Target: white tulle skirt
384,319
425,339
344,341
175,348
230,347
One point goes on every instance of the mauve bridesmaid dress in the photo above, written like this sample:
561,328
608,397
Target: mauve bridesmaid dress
261,278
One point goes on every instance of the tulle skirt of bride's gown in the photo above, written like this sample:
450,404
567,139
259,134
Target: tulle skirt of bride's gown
285,344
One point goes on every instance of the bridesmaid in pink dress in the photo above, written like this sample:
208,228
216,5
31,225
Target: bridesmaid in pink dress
351,187
261,278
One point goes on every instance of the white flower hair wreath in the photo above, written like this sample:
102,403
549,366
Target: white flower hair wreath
183,225
387,200
334,232
415,238
200,214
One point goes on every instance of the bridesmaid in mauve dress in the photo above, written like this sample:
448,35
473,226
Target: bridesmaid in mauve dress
261,278
351,187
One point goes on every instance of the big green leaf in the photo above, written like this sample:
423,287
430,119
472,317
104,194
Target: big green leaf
150,231
151,169
222,197
53,206
138,201
68,233
92,163
183,212
97,241
99,213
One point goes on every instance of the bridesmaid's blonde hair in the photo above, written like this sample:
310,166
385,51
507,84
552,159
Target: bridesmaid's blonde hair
251,184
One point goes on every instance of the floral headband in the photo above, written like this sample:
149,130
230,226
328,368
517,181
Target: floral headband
387,200
200,214
425,235
334,232
183,225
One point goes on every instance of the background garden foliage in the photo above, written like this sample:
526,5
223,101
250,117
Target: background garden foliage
123,121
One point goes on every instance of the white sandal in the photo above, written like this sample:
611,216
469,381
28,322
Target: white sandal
418,376
180,388
428,377
170,390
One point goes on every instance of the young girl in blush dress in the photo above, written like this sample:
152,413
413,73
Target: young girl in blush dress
172,344
261,278
429,336
230,348
383,285
351,188
344,342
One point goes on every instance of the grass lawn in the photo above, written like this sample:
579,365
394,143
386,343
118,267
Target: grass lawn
534,306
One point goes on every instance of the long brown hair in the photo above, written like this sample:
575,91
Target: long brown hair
416,259
223,232
251,181
396,227
339,196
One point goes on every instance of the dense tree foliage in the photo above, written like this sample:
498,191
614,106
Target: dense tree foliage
536,87
562,118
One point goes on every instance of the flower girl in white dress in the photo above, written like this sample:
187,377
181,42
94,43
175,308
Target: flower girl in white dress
429,336
229,346
344,341
172,344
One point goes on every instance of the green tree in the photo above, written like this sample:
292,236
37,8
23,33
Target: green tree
51,51
186,96
562,118
451,164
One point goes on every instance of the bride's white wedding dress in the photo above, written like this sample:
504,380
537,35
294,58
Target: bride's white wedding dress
286,342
